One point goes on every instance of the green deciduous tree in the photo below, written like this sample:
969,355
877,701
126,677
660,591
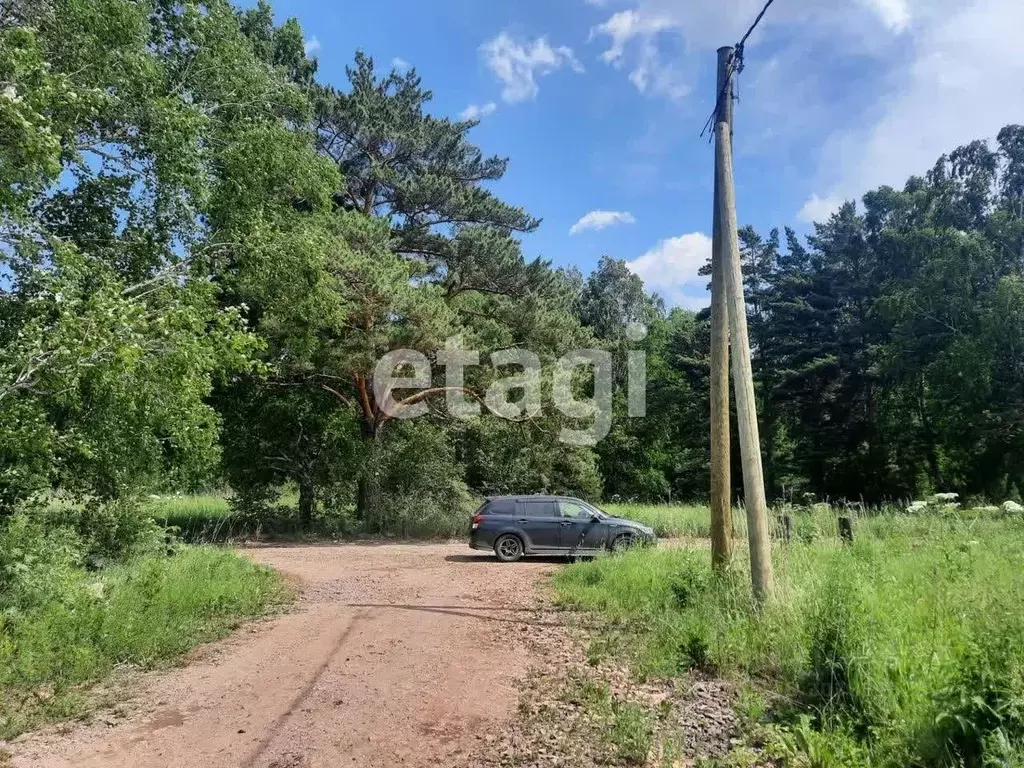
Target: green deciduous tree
112,331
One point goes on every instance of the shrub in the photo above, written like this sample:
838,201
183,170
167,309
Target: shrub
36,565
801,745
110,530
688,584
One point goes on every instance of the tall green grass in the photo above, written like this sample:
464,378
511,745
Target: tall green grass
209,518
904,649
63,627
807,523
206,518
672,520
200,517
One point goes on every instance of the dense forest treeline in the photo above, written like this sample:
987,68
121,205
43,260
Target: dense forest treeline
205,250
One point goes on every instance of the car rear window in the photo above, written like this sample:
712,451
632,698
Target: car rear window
539,509
500,507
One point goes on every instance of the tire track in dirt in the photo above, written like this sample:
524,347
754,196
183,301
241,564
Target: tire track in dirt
396,655
297,702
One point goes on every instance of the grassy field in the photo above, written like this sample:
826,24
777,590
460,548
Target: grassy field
208,518
64,627
905,649
807,524
670,520
198,518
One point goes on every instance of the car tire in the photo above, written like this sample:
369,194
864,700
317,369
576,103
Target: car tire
622,542
509,548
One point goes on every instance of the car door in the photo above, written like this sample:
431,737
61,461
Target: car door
579,529
541,523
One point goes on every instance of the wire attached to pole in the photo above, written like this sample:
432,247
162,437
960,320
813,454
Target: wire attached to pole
754,25
735,67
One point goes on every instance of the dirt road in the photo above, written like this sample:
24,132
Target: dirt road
397,655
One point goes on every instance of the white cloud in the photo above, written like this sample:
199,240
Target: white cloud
477,111
954,89
663,44
932,75
819,208
671,268
650,72
655,76
623,26
400,64
598,220
518,65
311,45
894,14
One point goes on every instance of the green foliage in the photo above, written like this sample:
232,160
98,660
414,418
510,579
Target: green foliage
509,458
36,565
630,732
904,649
674,520
803,746
62,626
612,298
834,623
399,245
650,458
886,347
112,326
206,251
420,482
109,530
431,503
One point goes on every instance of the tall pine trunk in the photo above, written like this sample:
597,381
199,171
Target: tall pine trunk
369,510
307,503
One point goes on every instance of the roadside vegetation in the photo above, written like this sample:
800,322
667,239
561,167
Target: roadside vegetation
72,609
213,517
904,648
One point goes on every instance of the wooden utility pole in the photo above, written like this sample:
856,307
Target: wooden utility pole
721,493
728,247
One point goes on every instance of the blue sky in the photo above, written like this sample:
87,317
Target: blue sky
598,104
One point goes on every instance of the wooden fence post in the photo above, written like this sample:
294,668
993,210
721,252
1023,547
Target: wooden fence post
786,528
846,529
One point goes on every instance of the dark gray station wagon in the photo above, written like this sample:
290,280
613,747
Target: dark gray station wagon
514,526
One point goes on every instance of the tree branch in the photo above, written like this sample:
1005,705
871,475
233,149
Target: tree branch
337,394
419,397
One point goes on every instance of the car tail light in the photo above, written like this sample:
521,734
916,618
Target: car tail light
477,519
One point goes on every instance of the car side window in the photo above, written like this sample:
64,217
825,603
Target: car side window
501,507
539,509
573,510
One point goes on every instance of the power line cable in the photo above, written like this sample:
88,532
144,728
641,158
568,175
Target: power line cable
735,66
753,26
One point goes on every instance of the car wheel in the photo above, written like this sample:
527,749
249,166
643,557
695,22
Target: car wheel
622,542
508,548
